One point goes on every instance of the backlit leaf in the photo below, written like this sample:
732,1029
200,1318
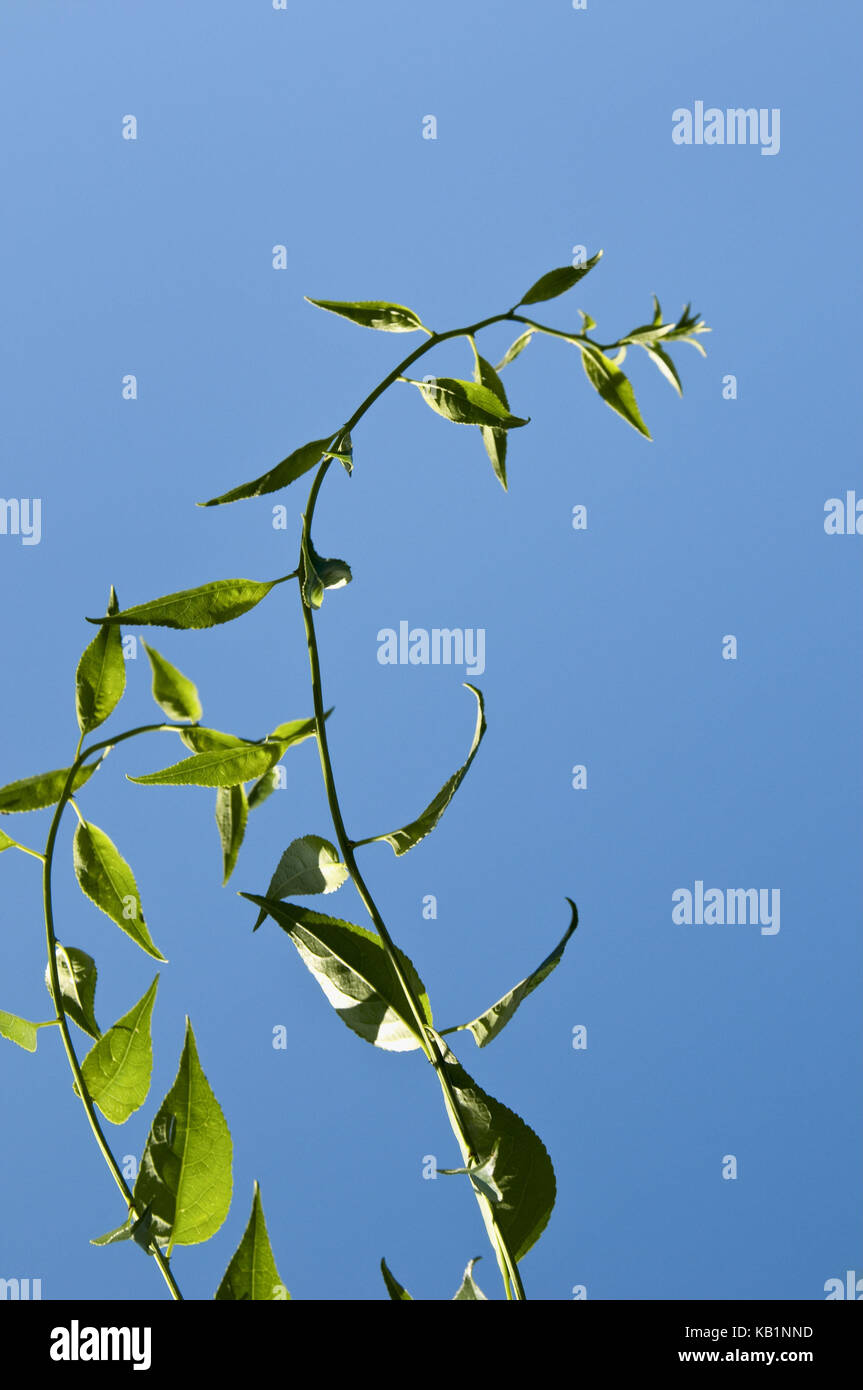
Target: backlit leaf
665,364
466,402
513,351
410,835
396,1291
33,793
493,439
470,1289
77,974
206,606
172,691
185,1173
308,865
252,1274
495,1019
218,767
232,811
372,313
20,1030
101,675
283,474
523,1170
355,973
205,740
105,877
614,388
558,281
118,1067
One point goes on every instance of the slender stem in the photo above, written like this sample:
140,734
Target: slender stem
428,1039
25,849
57,995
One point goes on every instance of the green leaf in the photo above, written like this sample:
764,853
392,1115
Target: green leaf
396,1291
470,1289
284,473
101,675
493,439
665,364
372,313
77,974
512,352
481,1176
6,842
558,281
33,793
466,402
185,1173
252,1273
320,574
205,740
308,865
410,835
20,1030
523,1170
263,788
218,767
232,812
614,388
355,973
295,731
495,1019
105,878
208,605
118,1067
119,1233
173,692
343,451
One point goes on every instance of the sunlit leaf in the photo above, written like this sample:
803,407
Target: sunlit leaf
252,1274
101,675
522,1171
105,877
308,865
185,1173
482,1176
118,1067
205,740
232,811
289,734
206,606
173,692
558,281
284,473
495,1019
20,1030
614,388
512,352
466,402
493,439
355,973
77,974
46,788
217,767
665,364
396,1291
372,313
409,835
470,1289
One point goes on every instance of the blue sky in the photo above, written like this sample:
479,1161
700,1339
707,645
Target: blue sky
303,128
